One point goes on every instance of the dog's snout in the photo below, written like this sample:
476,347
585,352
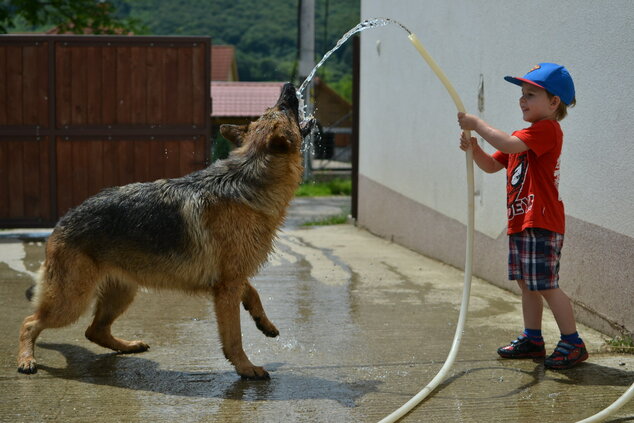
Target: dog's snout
289,91
288,99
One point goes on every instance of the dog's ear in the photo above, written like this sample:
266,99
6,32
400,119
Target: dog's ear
278,143
234,133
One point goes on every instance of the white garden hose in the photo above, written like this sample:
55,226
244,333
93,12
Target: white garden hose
442,374
620,402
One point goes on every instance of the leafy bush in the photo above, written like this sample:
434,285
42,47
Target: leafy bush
221,149
340,187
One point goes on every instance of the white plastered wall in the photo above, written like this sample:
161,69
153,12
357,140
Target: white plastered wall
408,126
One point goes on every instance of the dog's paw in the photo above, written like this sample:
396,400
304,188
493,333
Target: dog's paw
254,373
27,367
267,328
133,347
272,333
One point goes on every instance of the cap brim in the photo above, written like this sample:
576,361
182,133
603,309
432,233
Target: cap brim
520,81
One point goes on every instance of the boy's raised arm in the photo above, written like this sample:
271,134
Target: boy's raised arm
499,139
484,160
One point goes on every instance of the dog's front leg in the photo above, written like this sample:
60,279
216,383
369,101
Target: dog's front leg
227,298
251,302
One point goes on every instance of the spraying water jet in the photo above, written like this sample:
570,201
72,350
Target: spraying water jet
367,24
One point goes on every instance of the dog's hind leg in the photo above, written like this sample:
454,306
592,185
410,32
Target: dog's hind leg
30,330
113,299
251,302
64,292
227,297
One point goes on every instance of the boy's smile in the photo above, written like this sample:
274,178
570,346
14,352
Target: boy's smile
536,104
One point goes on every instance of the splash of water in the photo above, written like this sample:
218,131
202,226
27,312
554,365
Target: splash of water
370,23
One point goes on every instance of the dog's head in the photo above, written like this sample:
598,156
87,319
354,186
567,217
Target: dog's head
278,130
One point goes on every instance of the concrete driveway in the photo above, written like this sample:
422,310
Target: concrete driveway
365,324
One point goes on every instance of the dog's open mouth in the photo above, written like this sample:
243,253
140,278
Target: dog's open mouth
307,126
288,101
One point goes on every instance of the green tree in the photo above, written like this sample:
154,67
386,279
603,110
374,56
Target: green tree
68,15
343,86
263,32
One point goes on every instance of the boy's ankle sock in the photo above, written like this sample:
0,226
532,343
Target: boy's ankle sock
535,335
572,338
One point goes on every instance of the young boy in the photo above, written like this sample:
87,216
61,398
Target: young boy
536,218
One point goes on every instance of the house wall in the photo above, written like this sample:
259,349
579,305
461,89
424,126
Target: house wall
412,174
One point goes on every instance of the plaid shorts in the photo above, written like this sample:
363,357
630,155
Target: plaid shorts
534,257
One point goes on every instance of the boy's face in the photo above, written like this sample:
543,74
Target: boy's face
536,104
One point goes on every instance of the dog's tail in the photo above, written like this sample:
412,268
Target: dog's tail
30,292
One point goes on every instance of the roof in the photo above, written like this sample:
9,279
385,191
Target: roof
331,109
243,99
223,63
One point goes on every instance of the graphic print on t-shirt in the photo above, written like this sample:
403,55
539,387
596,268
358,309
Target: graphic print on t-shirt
532,179
518,205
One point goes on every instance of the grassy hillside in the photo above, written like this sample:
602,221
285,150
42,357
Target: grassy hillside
264,32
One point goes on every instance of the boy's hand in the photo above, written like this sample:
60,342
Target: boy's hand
466,144
467,122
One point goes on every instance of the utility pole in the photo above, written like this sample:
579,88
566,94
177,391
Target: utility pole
306,64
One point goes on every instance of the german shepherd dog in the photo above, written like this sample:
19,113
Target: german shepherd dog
205,233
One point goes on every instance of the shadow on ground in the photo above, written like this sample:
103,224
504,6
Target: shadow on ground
134,372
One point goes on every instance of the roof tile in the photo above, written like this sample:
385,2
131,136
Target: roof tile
243,99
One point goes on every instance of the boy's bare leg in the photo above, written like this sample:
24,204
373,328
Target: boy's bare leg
560,305
532,307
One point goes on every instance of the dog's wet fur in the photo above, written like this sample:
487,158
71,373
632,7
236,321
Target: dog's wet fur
205,233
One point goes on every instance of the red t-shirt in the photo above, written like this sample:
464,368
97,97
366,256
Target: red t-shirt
532,179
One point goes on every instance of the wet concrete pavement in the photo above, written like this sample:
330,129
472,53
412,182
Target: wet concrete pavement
364,325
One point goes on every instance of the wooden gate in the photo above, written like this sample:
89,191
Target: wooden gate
81,113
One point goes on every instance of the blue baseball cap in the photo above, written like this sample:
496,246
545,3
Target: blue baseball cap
552,77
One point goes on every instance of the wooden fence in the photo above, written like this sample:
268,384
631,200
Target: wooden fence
81,113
